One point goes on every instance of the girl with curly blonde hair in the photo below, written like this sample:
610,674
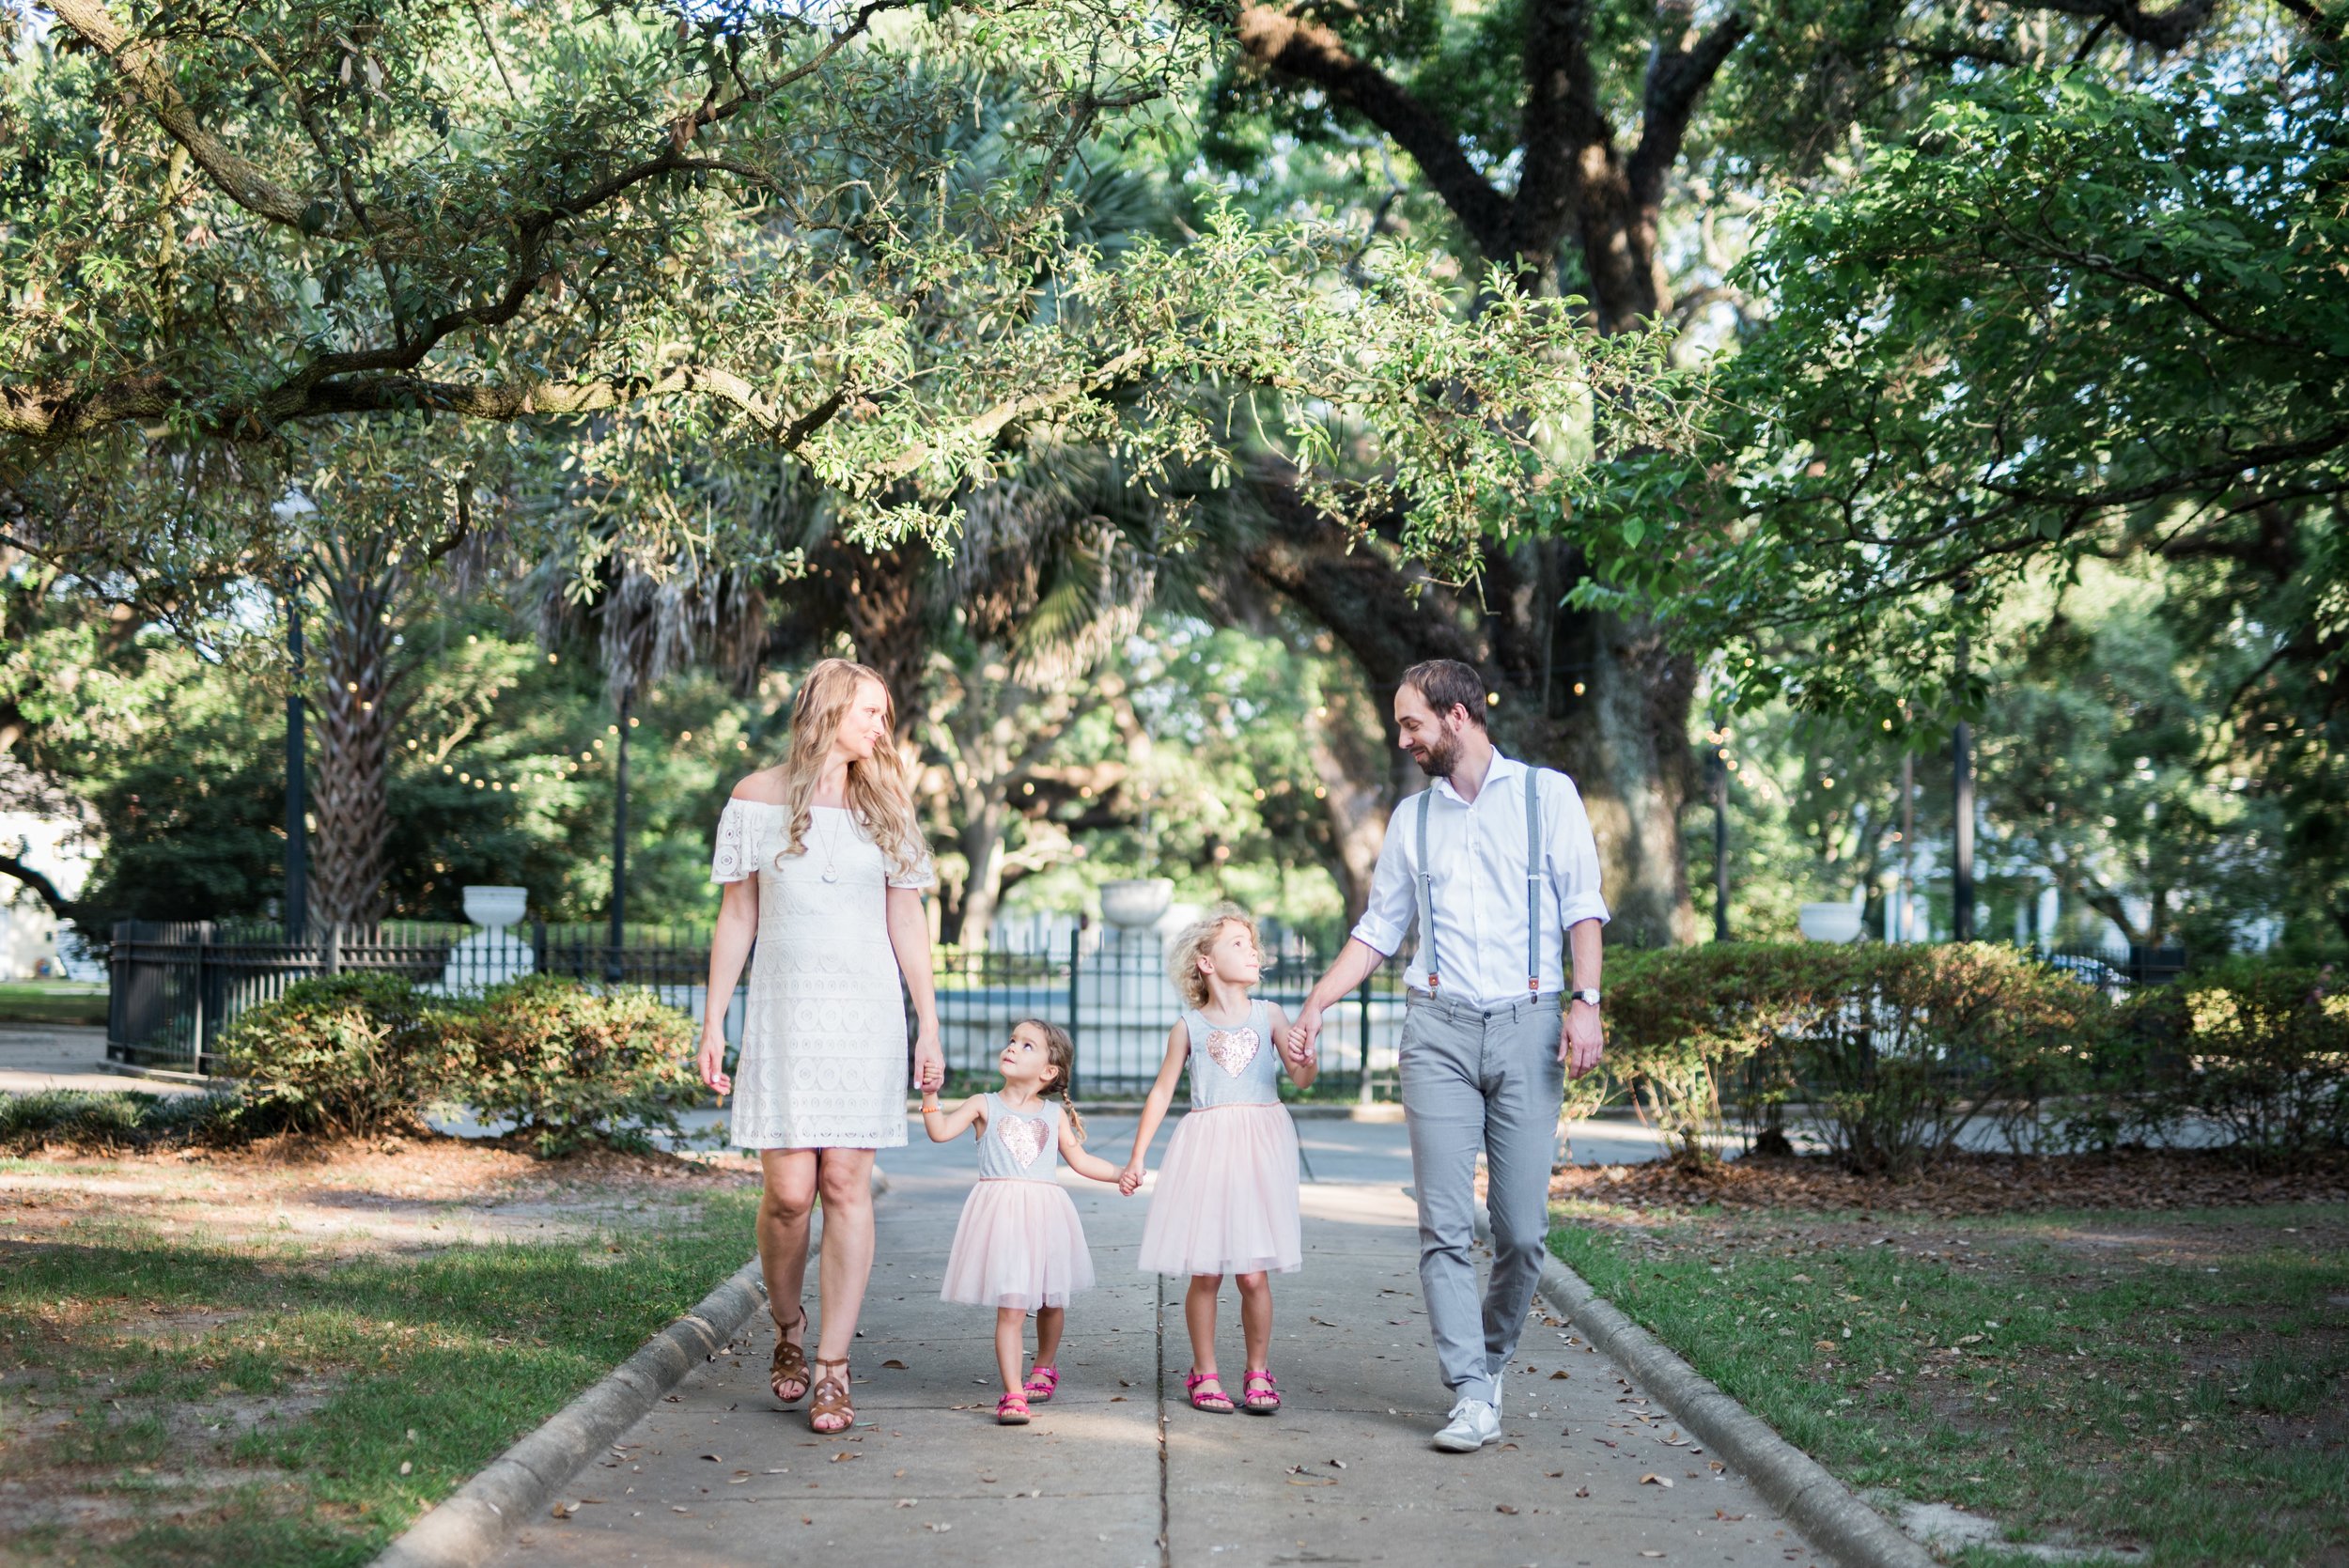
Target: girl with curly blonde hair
1226,1197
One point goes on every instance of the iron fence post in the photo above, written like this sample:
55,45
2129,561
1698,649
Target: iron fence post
1362,1000
203,944
1076,957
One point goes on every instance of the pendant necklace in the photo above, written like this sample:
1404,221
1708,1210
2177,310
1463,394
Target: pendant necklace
831,842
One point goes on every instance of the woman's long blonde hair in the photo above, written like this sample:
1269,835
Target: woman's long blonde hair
879,792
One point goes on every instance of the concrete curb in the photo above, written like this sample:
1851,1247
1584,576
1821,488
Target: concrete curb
518,1483
1830,1515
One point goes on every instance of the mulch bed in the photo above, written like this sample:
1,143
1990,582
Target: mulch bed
1973,1184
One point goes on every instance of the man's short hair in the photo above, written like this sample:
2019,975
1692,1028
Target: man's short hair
1446,683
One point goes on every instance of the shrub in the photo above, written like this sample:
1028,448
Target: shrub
106,1122
1934,1038
572,1066
349,1054
1899,1049
2266,1058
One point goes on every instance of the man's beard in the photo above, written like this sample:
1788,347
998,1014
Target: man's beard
1442,754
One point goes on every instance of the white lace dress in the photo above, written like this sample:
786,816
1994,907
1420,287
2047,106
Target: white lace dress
823,1059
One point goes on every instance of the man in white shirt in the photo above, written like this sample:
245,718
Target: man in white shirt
1498,885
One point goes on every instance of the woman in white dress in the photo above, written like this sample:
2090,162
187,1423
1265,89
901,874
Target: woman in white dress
824,865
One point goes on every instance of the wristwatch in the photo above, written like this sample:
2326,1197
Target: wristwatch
1588,994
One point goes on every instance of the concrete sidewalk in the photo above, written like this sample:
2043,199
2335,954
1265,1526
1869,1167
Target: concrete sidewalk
39,1056
1118,1471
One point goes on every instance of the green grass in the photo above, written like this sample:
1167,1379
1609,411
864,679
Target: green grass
2179,1388
51,1002
439,1363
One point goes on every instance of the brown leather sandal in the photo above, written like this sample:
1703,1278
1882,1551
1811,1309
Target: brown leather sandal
790,1362
829,1399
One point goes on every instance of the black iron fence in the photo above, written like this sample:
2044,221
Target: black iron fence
178,987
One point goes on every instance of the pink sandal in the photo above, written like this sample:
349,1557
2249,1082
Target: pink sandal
1011,1410
1260,1394
1041,1384
1199,1400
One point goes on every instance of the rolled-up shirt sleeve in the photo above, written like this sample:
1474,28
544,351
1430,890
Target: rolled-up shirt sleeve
1389,914
1573,859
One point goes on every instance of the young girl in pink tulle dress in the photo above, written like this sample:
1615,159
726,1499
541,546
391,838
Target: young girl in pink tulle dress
1226,1199
1019,1246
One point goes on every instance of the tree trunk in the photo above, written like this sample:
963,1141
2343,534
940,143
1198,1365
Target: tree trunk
1622,737
349,792
1357,802
974,917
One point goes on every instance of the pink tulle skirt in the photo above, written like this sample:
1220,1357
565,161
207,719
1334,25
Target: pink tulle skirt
1020,1244
1226,1198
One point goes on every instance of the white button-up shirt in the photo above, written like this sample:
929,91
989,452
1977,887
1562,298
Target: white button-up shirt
1478,850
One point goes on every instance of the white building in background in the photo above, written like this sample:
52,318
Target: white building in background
62,850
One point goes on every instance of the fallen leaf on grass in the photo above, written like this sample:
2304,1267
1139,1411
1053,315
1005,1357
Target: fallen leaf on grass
1652,1478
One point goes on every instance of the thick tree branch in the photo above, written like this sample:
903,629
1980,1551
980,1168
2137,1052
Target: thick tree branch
1311,53
1568,143
987,425
2163,30
144,67
1678,73
43,888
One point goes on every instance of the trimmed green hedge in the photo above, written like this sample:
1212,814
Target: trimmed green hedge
572,1067
1898,1051
365,1053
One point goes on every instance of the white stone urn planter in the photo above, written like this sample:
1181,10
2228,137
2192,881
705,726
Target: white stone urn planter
494,908
1136,902
1838,922
492,955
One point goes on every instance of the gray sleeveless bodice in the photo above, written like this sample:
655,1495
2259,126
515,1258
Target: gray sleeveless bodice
1233,1067
1019,1145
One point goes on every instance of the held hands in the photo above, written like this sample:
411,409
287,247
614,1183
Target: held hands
1130,1179
710,1063
1298,1042
1580,1041
929,1059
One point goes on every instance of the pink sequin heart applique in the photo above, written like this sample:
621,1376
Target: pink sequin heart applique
1232,1050
1024,1137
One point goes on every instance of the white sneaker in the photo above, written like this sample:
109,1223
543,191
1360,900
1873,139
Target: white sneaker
1474,1424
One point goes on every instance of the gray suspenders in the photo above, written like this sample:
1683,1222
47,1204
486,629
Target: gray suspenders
1533,885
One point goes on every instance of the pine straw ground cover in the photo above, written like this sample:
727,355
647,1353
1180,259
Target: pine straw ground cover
284,1355
2140,1351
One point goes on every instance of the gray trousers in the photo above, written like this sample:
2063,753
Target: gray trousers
1491,1083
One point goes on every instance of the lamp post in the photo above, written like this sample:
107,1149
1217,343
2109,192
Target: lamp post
1720,843
297,802
1961,790
619,847
289,511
